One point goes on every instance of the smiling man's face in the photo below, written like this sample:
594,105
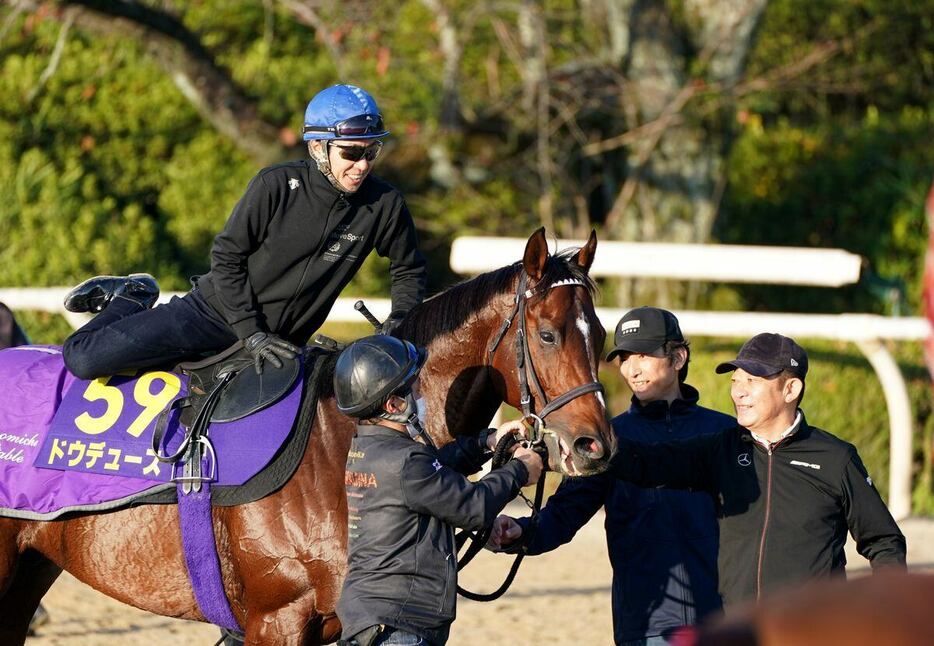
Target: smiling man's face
651,376
762,402
348,173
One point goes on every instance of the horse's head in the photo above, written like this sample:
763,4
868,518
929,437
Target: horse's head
550,355
526,329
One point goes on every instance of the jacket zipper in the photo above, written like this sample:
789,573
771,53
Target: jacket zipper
308,261
680,567
768,512
765,526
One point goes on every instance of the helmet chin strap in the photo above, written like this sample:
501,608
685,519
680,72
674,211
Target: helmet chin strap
409,417
324,165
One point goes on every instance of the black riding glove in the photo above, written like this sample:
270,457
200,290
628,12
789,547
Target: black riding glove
269,347
392,323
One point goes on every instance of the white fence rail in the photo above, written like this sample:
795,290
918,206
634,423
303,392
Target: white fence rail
865,330
710,263
752,264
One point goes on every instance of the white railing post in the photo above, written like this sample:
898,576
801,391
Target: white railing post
900,427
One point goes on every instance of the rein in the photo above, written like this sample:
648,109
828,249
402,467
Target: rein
541,437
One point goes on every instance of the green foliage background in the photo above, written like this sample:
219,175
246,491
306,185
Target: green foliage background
105,167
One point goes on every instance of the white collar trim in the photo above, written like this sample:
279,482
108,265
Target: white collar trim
787,432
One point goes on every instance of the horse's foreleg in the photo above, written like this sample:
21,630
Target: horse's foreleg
29,577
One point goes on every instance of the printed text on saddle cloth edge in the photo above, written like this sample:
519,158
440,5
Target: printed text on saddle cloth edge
11,446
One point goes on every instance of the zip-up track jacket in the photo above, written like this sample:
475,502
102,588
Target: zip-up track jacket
662,544
404,500
784,512
294,241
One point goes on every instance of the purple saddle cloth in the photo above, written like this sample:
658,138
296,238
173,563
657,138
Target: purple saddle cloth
68,444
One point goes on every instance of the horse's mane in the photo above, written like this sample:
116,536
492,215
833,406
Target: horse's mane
448,310
451,308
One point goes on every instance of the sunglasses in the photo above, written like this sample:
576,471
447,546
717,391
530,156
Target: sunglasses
356,153
358,126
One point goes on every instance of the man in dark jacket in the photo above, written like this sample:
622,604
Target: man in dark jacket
294,240
786,491
662,544
404,499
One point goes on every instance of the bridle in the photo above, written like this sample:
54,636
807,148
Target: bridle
524,367
540,437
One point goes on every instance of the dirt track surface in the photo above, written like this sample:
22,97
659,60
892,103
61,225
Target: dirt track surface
557,598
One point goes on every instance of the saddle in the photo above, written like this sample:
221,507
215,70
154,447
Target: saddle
221,388
243,391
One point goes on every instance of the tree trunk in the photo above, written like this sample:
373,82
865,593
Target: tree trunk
675,173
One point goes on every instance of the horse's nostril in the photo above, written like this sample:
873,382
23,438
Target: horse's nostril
588,447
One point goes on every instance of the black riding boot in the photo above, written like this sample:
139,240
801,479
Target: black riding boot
94,294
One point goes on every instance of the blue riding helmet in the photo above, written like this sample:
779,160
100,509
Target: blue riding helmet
343,112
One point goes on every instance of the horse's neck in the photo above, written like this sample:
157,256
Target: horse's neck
456,381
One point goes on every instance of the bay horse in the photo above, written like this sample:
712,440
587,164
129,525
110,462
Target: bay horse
283,557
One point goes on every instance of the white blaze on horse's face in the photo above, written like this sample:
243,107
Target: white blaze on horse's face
584,328
573,442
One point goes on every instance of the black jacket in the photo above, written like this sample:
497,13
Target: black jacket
404,500
784,512
293,242
662,544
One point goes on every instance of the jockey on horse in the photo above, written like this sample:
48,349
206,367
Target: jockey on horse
293,241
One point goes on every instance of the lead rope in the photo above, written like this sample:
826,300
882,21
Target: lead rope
480,539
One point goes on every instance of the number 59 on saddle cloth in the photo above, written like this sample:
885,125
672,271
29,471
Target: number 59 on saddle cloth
68,444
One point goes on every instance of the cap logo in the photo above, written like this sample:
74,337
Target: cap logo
630,326
794,363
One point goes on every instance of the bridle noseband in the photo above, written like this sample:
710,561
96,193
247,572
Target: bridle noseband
524,367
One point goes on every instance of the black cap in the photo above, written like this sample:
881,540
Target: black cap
644,330
768,354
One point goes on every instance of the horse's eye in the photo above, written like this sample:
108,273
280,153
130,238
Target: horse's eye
546,337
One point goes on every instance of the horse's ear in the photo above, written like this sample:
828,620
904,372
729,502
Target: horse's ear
587,252
536,253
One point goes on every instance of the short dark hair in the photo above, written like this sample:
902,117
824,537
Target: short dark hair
371,413
670,348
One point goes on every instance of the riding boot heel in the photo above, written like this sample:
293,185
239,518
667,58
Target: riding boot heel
95,294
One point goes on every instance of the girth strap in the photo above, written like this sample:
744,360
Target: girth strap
201,560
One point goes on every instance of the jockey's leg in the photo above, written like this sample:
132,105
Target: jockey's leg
127,337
